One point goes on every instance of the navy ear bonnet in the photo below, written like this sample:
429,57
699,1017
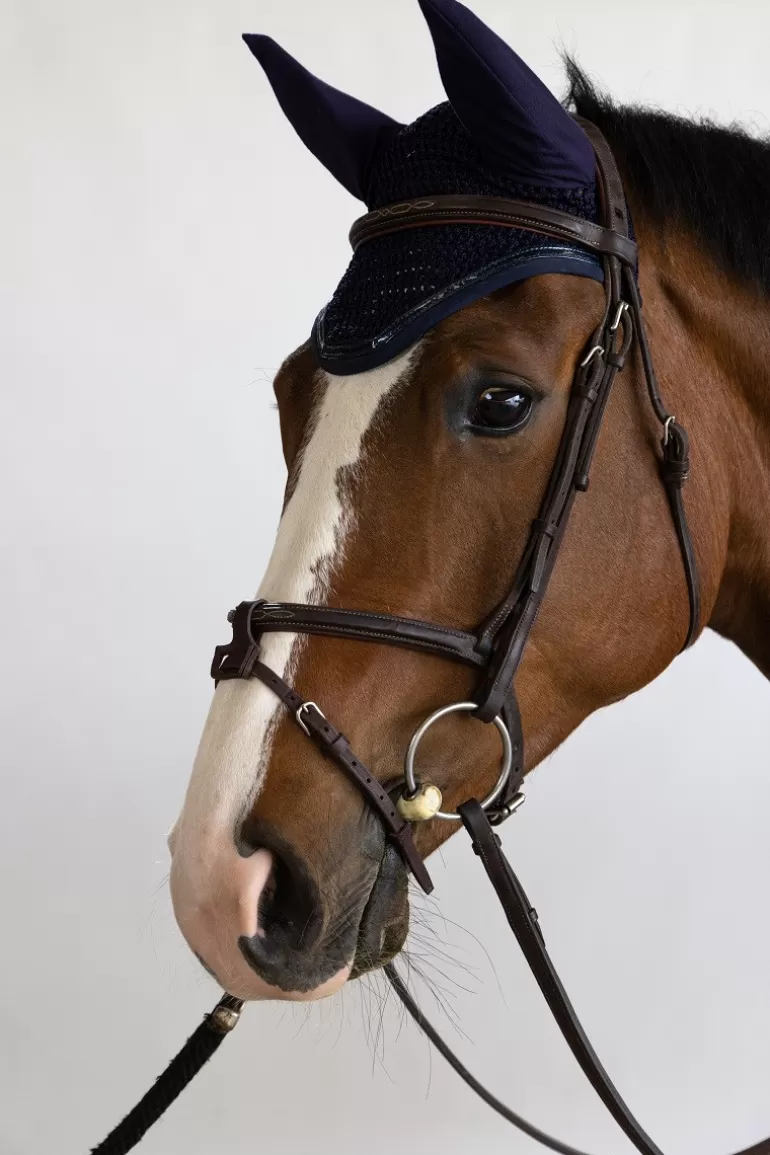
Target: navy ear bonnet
397,287
501,133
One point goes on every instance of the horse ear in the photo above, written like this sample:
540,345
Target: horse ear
342,132
517,123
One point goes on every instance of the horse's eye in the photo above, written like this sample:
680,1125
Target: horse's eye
502,409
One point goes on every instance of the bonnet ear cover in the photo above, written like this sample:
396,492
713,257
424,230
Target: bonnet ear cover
342,132
500,133
516,122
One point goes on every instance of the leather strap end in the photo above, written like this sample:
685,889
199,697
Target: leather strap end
334,745
413,859
220,653
675,466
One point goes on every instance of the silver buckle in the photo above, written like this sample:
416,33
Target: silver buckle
304,706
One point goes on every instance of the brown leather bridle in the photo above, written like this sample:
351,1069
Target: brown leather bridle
496,648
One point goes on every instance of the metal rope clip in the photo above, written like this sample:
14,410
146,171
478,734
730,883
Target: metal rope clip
498,816
622,307
590,355
225,1015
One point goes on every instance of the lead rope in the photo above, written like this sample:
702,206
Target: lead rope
182,1069
523,920
222,1020
202,1044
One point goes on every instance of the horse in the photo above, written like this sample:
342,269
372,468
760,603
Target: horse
422,424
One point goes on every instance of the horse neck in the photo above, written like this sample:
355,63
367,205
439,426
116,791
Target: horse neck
711,340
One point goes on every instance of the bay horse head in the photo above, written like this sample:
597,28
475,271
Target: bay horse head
422,426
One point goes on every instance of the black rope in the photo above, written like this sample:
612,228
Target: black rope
206,1039
182,1069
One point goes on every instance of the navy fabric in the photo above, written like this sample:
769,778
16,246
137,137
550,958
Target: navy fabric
413,324
502,133
398,286
342,132
518,124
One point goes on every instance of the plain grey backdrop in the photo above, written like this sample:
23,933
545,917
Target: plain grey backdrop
166,242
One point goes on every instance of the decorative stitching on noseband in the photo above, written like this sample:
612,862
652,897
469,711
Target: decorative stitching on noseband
462,634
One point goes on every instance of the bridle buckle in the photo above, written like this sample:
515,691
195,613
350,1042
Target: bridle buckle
298,715
500,814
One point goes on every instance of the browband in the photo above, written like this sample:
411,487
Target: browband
483,210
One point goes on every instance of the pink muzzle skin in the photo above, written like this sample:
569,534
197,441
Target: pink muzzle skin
215,894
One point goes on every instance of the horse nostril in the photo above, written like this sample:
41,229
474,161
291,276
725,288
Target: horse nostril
283,906
289,915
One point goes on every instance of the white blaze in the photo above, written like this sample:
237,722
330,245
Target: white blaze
235,747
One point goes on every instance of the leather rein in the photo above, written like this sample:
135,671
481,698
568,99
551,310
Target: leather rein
495,649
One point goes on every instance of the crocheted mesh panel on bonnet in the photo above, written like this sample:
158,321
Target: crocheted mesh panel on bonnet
391,276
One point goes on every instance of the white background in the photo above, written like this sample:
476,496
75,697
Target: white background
159,259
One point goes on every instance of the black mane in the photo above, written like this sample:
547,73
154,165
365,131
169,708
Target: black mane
711,180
